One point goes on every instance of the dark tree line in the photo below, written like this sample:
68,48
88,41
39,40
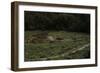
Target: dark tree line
57,21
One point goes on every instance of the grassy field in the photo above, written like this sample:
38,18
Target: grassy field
71,45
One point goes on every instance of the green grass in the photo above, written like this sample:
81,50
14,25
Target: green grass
54,50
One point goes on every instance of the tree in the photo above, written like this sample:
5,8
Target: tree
57,21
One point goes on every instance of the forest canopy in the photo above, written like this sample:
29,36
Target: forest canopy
57,21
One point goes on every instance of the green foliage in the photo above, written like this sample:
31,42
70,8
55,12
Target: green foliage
81,54
57,21
47,51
